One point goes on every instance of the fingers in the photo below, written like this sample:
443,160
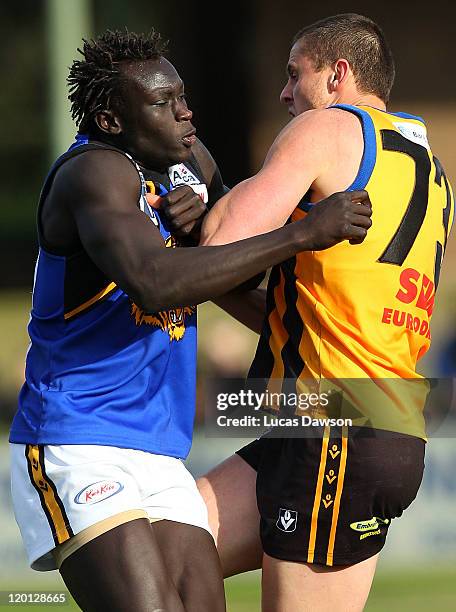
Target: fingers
184,205
360,197
191,215
361,216
185,230
361,220
357,202
183,209
185,212
179,193
362,209
357,234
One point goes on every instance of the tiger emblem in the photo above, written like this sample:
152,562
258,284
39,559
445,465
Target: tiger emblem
172,321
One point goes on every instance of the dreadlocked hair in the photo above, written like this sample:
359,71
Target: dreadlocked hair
95,81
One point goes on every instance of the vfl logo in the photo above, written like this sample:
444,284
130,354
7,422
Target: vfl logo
171,321
287,520
98,491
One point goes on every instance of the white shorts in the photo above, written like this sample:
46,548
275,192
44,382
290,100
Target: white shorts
65,496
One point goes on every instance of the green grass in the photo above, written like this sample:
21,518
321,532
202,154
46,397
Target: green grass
404,591
420,591
432,590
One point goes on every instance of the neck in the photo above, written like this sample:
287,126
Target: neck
362,99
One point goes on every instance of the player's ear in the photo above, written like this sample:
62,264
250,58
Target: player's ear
339,73
108,122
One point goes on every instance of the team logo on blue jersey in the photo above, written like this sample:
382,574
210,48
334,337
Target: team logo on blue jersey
171,321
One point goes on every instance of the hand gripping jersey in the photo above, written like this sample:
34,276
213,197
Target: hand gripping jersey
99,370
358,312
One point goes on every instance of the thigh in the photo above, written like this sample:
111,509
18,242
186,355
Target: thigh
121,570
229,493
303,587
193,564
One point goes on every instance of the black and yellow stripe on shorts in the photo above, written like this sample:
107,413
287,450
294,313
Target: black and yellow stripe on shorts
328,493
50,501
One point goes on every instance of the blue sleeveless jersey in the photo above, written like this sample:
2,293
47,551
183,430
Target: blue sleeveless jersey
99,370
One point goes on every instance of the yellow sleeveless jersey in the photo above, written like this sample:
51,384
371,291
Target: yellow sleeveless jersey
363,311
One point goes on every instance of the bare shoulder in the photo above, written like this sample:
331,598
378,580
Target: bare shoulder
320,125
310,139
342,122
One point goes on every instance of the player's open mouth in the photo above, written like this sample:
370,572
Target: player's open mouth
189,139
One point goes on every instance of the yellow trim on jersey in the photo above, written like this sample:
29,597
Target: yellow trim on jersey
150,187
278,338
52,504
100,295
317,499
279,335
340,485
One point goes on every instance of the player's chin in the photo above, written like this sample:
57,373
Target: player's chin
182,153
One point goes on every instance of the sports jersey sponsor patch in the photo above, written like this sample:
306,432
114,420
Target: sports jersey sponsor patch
287,520
179,174
412,131
369,528
98,491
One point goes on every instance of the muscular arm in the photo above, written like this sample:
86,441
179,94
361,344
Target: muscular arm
246,303
100,190
304,155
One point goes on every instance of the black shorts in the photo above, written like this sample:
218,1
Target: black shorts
330,499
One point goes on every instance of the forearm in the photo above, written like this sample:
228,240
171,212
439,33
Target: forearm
176,277
248,307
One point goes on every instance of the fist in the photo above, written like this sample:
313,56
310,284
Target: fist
183,209
341,216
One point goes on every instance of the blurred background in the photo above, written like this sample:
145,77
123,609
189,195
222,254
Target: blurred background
232,58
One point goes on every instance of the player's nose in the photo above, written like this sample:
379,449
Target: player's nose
183,113
286,96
